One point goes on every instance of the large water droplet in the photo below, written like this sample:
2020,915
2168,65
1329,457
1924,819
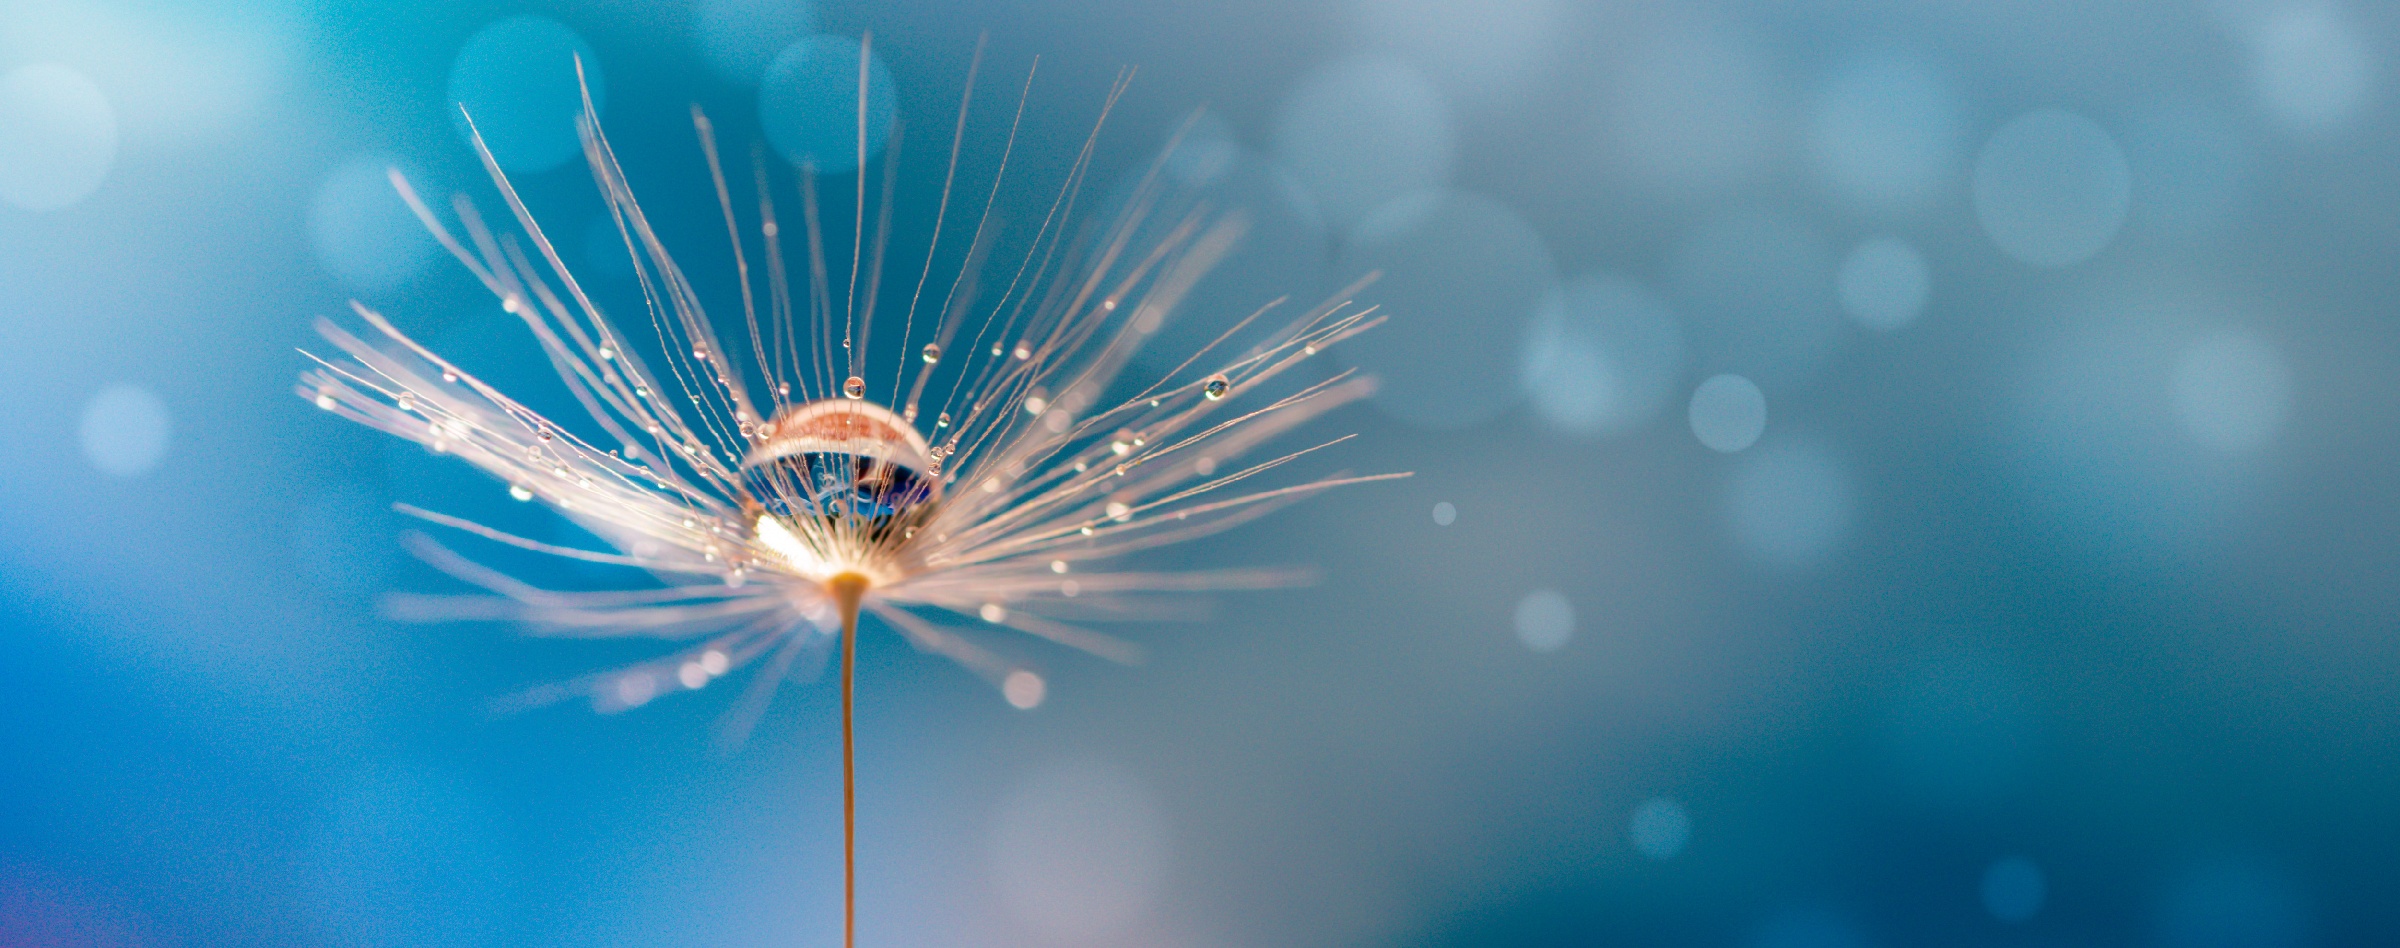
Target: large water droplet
933,353
855,388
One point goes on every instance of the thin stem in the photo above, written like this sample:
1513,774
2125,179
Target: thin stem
847,589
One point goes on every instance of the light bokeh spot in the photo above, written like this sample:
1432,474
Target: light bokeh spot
1728,413
516,81
809,104
2311,70
2014,889
1689,112
2051,188
1079,850
1884,132
2232,392
1462,275
125,430
1603,356
1485,52
1884,283
2230,902
738,38
1444,514
1660,828
58,137
363,233
1024,690
1545,620
1361,132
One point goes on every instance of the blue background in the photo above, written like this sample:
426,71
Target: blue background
2056,611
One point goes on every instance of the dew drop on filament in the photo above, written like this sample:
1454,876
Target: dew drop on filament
1216,386
1023,352
933,353
855,388
519,492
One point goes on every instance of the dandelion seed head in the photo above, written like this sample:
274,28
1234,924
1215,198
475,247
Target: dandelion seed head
759,471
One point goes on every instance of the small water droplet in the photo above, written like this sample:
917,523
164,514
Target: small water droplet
1216,386
997,349
642,390
1034,405
748,431
1081,467
700,353
909,414
1023,352
1119,447
1118,512
1206,466
509,304
1109,305
1087,530
520,492
993,612
784,390
408,401
607,354
1308,350
1058,566
933,353
942,422
325,401
855,388
449,376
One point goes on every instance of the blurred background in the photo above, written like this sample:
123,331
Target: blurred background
1887,473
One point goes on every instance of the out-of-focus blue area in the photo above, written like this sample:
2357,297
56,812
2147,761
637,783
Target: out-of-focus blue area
1888,473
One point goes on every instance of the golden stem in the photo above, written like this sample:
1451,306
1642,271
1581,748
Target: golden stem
847,589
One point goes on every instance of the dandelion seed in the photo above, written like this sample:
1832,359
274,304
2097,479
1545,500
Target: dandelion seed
771,527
